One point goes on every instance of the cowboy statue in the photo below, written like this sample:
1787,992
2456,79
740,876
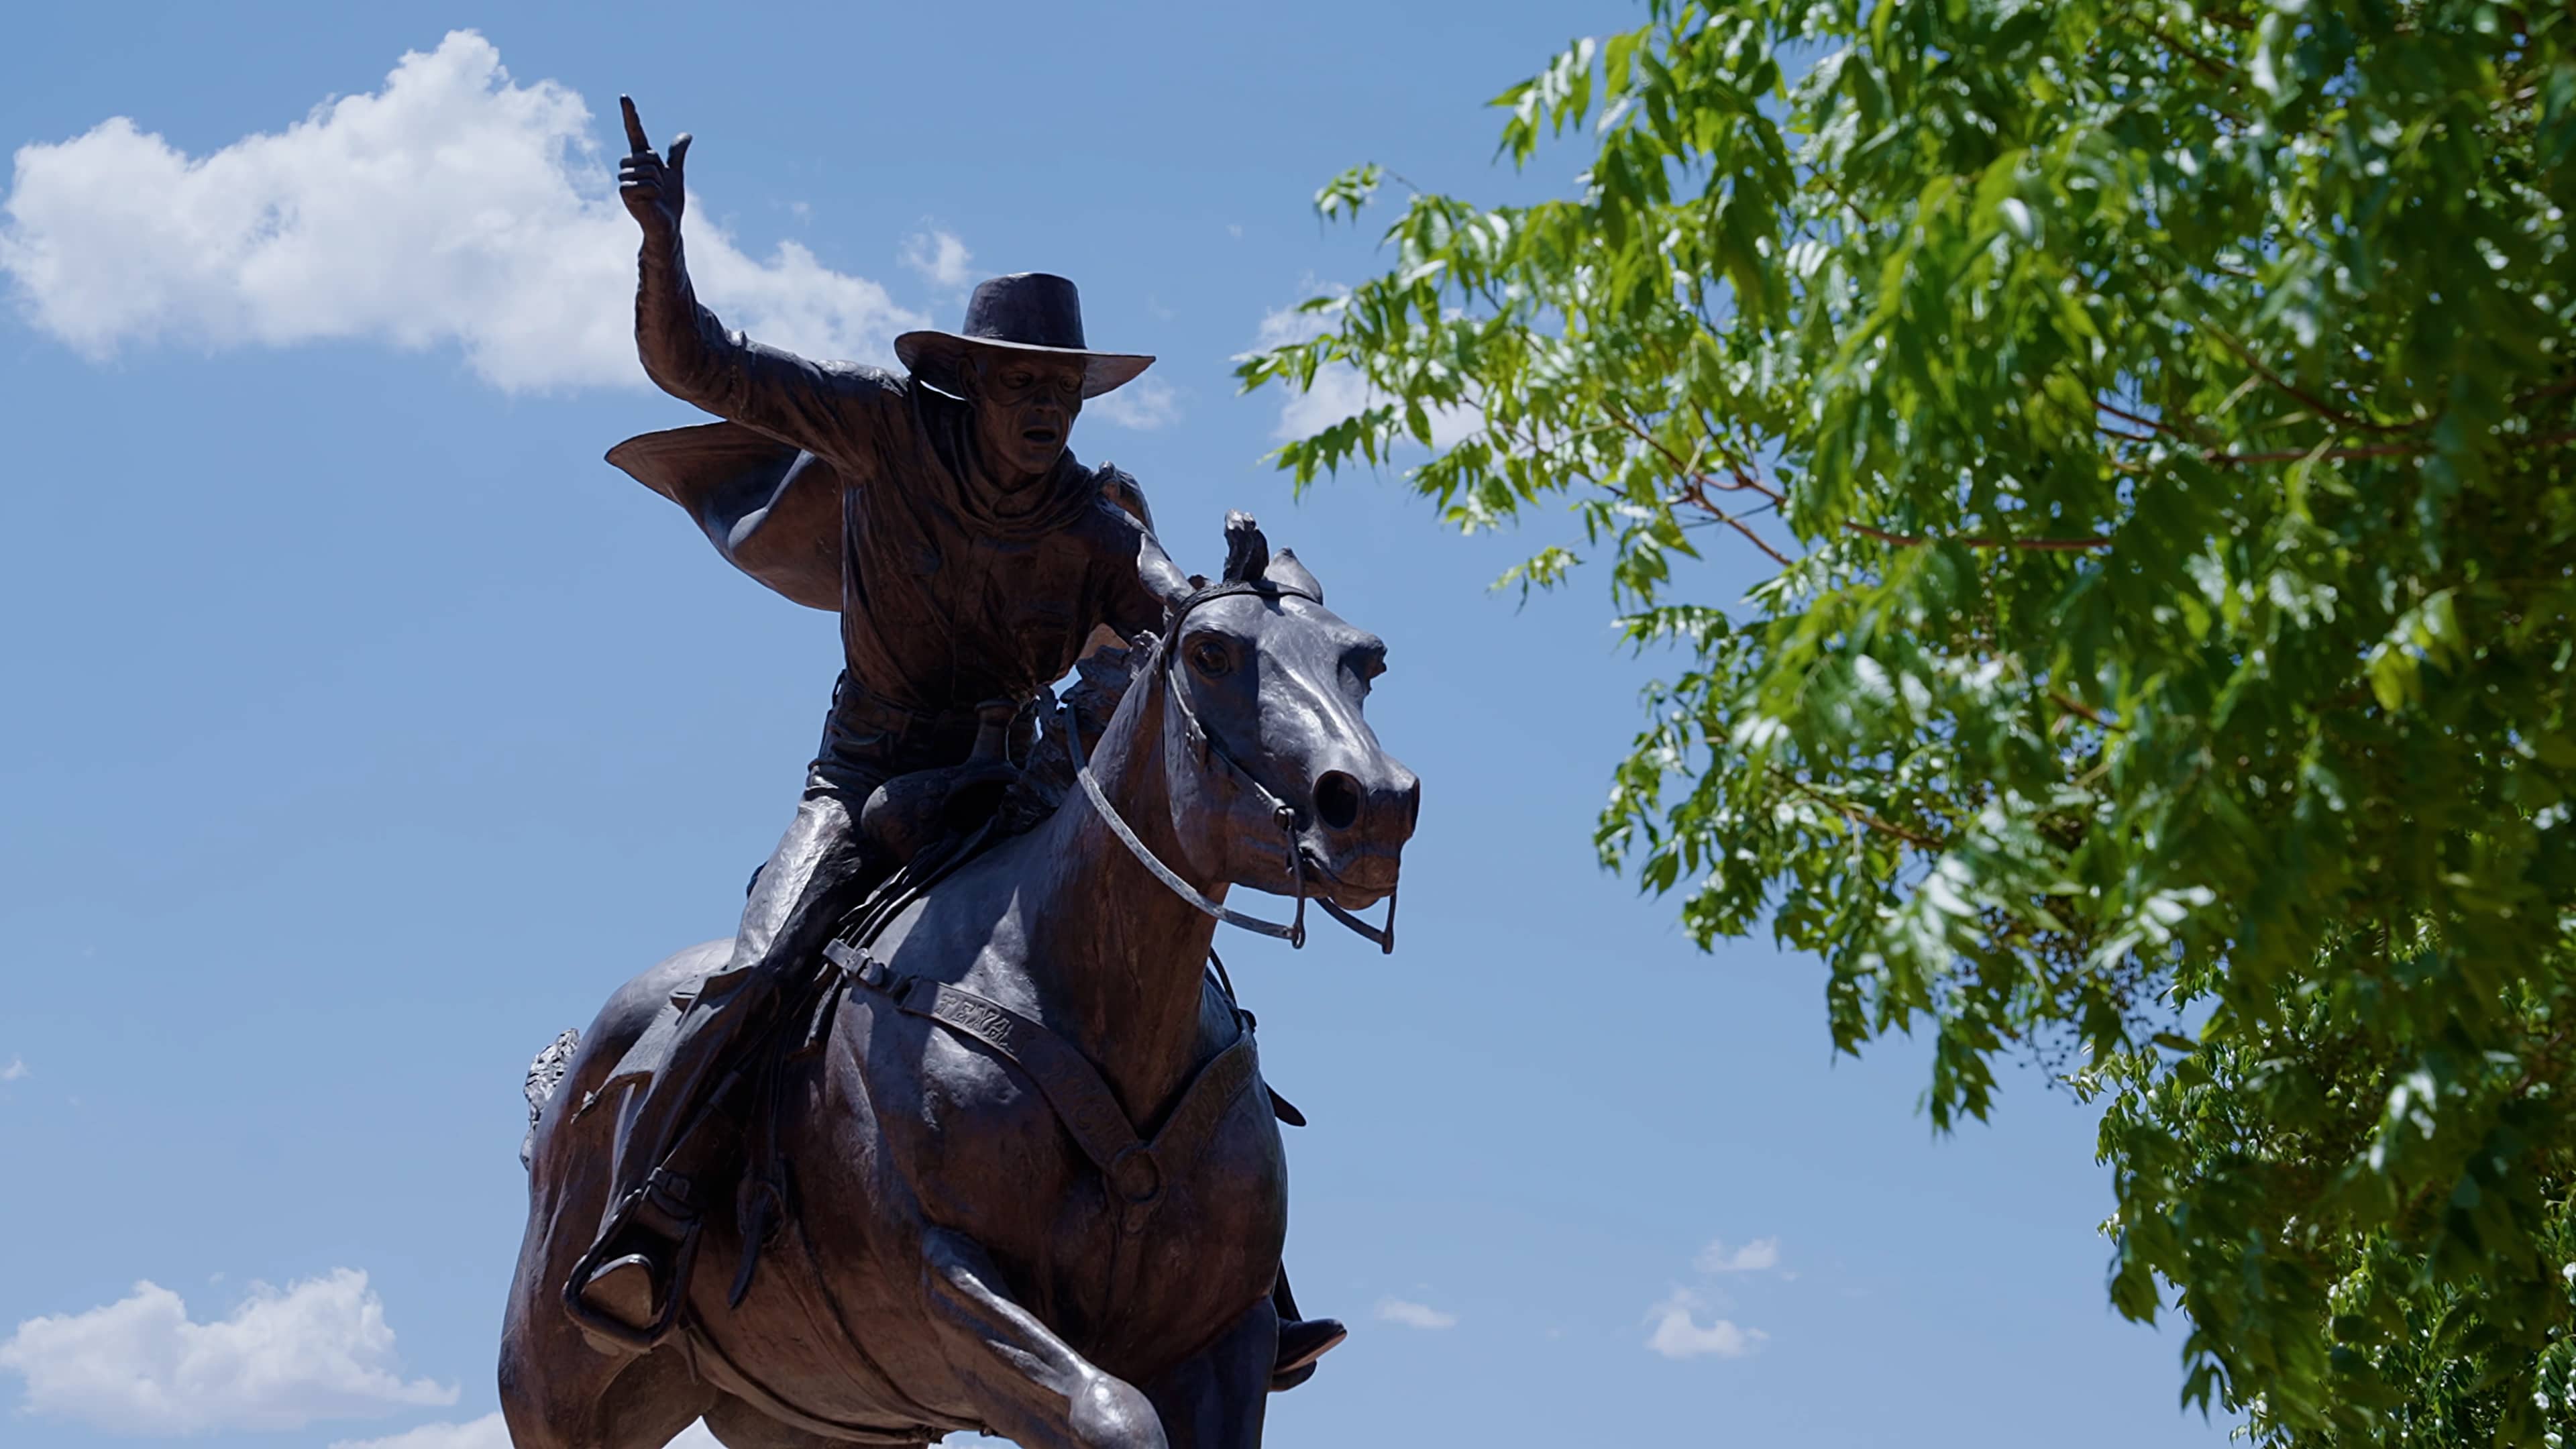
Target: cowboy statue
971,559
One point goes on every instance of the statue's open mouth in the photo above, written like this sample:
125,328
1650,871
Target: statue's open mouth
1041,436
1360,879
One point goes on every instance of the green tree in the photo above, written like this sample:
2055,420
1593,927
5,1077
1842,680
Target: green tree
2155,423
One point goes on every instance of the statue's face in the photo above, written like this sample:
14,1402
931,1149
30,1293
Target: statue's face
1024,409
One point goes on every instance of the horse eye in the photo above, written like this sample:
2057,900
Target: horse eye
1210,657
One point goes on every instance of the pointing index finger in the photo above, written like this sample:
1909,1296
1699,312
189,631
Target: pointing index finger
636,140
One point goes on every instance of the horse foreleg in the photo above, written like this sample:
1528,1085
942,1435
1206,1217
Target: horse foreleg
1031,1386
1215,1399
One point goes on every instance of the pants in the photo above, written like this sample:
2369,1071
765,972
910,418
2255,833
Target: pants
821,864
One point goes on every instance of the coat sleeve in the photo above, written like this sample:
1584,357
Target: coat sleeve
838,410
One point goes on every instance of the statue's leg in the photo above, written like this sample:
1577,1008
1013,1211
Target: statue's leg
1030,1385
653,1208
817,861
1215,1400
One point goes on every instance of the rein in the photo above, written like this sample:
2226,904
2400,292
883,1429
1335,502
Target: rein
1282,814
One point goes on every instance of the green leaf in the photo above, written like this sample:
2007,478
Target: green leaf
2099,485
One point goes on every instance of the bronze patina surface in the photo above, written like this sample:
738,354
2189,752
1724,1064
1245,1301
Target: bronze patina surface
956,1131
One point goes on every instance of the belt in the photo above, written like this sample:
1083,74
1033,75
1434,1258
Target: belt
855,708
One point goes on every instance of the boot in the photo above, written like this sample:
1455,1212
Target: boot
1301,1340
626,1290
1300,1344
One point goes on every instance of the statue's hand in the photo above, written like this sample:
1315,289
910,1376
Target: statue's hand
651,186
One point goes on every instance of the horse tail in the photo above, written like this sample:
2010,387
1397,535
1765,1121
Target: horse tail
545,1076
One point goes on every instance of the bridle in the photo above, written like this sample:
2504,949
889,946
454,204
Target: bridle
1282,814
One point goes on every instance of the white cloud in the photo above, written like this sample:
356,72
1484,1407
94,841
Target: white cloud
1760,1255
16,1071
1414,1315
1338,390
319,1350
1145,404
938,255
489,1432
452,207
1678,1334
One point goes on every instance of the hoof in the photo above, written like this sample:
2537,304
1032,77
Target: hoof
1111,1414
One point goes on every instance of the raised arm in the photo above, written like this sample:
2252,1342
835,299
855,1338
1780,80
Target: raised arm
690,355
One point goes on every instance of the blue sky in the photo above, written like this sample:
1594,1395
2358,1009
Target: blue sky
363,730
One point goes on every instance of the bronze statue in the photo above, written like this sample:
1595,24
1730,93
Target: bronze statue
1034,1184
972,560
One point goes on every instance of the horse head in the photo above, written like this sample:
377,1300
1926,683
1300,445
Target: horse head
1274,777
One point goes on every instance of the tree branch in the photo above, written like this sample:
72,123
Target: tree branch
2375,450
1695,484
2314,403
2218,69
2562,385
2152,424
1693,494
2077,707
1854,813
2036,545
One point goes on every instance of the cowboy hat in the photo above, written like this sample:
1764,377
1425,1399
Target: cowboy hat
1025,312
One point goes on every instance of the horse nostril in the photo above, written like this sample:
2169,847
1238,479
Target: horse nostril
1337,800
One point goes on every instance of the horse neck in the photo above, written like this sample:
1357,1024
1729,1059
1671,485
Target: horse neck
1127,954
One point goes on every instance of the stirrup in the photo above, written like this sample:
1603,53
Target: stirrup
671,1223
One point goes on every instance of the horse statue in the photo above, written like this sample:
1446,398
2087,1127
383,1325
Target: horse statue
1034,1184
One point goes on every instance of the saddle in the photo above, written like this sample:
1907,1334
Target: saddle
932,823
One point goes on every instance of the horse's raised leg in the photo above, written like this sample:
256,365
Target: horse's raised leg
1031,1386
1215,1400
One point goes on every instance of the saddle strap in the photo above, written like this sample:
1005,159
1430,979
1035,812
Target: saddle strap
1133,1168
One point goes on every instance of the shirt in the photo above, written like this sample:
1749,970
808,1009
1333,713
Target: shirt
954,591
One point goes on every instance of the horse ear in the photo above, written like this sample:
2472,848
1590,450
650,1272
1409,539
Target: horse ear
1247,553
1288,573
